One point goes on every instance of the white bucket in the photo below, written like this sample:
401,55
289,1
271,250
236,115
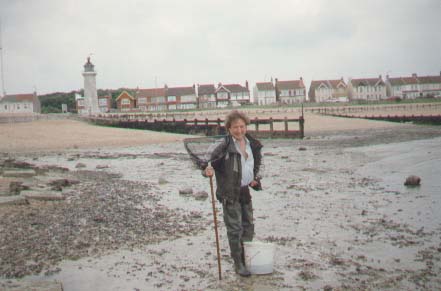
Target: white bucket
259,257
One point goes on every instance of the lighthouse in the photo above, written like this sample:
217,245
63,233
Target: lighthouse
90,94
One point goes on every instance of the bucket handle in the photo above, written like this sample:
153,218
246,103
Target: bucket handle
258,252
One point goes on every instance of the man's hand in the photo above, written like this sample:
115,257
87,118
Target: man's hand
253,183
209,171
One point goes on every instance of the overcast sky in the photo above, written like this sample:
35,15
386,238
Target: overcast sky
151,42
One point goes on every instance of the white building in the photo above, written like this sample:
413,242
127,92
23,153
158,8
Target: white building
20,103
264,93
291,91
328,91
90,93
370,89
414,86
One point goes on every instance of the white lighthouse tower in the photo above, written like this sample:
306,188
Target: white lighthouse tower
90,94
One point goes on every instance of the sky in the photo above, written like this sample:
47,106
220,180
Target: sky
149,43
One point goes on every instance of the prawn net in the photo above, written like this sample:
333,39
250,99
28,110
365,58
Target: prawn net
205,150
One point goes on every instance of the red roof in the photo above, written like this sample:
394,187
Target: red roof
265,86
154,92
367,81
19,98
124,94
293,84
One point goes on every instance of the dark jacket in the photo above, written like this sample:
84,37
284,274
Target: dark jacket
226,161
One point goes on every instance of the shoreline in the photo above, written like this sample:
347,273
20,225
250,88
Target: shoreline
330,223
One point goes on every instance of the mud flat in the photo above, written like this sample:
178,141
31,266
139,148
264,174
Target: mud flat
333,204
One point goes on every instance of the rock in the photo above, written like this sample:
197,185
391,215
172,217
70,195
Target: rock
186,191
412,181
42,195
12,200
162,181
102,166
80,165
23,173
15,187
201,195
302,149
58,184
5,186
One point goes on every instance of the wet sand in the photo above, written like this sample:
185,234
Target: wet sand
333,205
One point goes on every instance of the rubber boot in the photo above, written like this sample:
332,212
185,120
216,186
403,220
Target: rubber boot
239,267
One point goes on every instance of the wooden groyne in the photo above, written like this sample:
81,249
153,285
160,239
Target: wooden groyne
420,119
259,127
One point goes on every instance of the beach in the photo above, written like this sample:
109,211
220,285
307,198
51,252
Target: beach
334,205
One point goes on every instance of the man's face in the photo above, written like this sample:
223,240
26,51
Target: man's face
238,129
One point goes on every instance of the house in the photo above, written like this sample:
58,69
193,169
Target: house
290,92
20,103
328,91
125,102
206,96
181,98
104,103
80,104
414,86
264,93
232,94
151,99
430,86
370,89
403,87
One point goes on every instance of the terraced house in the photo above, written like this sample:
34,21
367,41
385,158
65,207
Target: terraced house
181,98
206,96
370,89
328,91
414,86
125,102
264,93
151,99
232,94
290,92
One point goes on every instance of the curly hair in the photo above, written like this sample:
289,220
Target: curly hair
235,115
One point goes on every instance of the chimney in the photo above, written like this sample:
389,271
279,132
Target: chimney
414,75
246,85
276,88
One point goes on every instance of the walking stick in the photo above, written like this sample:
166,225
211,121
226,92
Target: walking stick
215,228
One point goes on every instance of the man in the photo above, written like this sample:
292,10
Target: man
236,162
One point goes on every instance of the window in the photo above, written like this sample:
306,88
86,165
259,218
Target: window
125,101
188,98
102,102
142,100
222,95
171,98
